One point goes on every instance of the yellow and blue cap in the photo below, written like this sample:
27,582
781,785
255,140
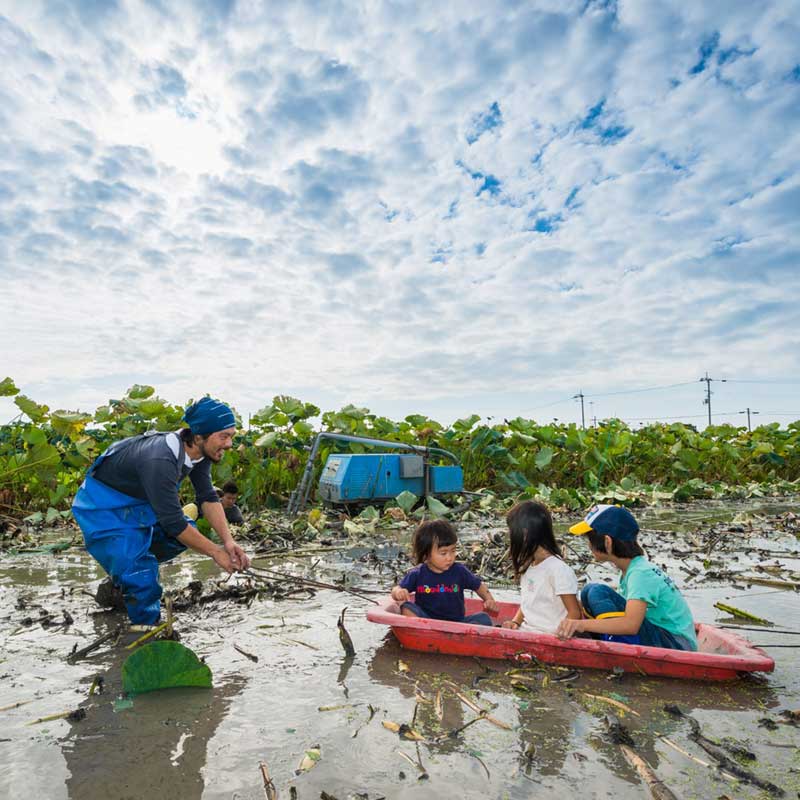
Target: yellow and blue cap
614,521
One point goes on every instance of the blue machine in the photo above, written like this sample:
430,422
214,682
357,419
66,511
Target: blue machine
352,478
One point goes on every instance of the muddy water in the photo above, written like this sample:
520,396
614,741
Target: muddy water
208,744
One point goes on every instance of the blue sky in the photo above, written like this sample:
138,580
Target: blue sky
436,208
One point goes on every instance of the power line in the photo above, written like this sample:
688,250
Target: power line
707,401
646,389
548,405
687,416
765,381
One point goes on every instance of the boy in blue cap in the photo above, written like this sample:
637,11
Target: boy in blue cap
649,609
130,514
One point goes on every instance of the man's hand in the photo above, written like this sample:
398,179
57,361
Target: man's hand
222,559
400,595
510,623
567,628
238,557
490,604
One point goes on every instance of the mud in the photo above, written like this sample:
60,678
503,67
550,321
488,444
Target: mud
303,692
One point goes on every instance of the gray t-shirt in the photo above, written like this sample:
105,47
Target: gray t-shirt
150,467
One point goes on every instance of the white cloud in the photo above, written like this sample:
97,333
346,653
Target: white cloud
406,207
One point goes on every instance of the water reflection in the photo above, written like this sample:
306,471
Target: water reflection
159,741
556,725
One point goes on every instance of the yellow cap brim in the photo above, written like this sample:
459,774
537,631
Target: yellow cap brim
580,528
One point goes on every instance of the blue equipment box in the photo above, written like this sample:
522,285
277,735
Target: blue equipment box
360,477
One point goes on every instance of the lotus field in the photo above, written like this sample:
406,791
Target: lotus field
44,454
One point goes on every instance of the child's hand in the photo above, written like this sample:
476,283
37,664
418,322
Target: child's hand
567,628
510,623
400,594
490,604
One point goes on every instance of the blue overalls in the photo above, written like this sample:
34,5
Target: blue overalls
123,535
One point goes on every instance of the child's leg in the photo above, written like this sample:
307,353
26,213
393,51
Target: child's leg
409,609
602,602
598,598
481,618
655,636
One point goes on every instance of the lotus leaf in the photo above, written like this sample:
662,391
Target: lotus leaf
36,412
163,665
140,391
7,388
544,457
436,507
69,423
406,501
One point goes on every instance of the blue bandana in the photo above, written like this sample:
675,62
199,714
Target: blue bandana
208,416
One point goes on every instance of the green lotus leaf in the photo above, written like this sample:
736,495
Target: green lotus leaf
163,665
35,412
406,500
544,457
7,388
140,391
437,507
302,428
267,440
69,423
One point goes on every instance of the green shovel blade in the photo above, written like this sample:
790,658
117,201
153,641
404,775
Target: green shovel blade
163,665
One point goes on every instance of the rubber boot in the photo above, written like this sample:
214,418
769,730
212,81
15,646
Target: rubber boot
110,596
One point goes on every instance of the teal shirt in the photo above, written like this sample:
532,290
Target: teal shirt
666,606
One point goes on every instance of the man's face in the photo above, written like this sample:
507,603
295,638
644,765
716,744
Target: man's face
228,500
214,445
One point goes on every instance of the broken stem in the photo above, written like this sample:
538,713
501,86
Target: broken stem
658,789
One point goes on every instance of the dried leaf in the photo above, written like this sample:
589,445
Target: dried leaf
309,760
612,702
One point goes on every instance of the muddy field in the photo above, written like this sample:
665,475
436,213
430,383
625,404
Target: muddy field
315,717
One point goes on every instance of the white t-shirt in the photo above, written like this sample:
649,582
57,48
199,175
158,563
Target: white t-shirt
540,587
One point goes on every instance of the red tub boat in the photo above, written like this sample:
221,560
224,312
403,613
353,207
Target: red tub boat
723,654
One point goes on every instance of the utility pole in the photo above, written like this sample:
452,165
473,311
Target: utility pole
707,401
749,412
583,417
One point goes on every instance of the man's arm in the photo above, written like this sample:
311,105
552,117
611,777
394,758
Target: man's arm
215,514
195,540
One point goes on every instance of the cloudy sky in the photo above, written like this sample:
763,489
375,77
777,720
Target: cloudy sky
437,207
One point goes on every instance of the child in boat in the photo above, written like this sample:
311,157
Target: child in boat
649,609
438,581
548,586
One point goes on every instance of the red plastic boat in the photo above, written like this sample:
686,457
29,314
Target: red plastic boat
723,655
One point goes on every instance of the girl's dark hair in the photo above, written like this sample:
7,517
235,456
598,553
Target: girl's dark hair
187,437
530,526
597,541
437,532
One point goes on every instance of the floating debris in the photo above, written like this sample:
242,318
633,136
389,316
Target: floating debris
737,612
344,636
243,652
309,760
269,785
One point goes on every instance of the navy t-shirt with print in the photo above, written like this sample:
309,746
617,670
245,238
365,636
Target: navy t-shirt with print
441,594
